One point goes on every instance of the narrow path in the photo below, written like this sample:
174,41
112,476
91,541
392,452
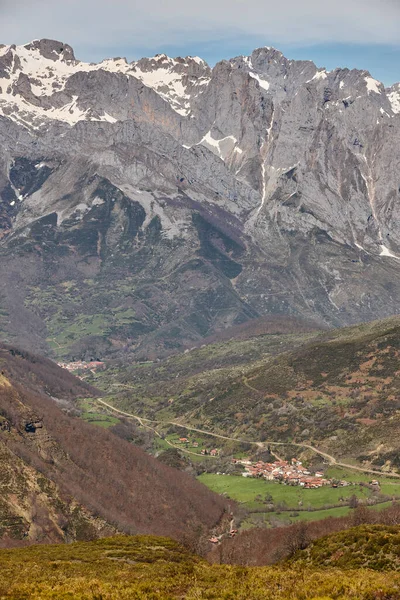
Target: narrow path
331,459
388,474
245,382
141,419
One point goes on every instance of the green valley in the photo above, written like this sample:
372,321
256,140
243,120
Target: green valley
336,391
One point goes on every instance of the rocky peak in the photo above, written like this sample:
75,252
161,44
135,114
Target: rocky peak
176,80
276,74
51,50
189,64
269,60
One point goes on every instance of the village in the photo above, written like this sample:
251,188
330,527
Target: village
288,472
81,365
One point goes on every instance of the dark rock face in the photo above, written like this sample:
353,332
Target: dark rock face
28,176
144,206
51,49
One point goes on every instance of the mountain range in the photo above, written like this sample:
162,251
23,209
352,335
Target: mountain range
145,206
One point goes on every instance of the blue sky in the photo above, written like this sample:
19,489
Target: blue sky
346,33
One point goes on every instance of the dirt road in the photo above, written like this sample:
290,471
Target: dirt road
331,459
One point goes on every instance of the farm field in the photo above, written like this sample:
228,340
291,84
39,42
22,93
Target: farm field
291,503
388,485
247,490
92,414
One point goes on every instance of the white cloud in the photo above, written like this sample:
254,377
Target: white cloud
97,24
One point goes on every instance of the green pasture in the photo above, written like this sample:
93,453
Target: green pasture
253,492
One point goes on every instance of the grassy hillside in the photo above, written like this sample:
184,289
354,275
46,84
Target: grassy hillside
340,392
337,390
178,385
153,568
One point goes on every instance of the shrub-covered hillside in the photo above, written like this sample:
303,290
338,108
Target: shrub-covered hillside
338,390
149,568
368,547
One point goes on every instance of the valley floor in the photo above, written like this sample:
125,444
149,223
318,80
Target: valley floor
266,503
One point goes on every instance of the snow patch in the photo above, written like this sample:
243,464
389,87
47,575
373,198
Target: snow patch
211,144
222,147
373,85
262,82
106,117
383,112
97,201
394,99
171,85
162,78
82,207
4,50
386,252
70,112
263,190
320,75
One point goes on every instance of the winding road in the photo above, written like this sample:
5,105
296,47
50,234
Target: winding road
331,459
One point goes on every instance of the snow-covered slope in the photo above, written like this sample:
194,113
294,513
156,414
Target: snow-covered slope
33,80
176,80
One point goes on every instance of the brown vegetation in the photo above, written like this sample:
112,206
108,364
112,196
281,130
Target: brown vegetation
109,476
41,374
